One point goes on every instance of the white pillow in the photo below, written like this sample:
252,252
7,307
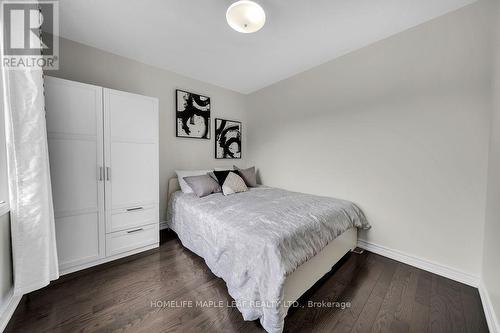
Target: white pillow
185,188
224,168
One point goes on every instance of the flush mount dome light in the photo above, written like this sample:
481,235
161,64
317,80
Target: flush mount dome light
245,16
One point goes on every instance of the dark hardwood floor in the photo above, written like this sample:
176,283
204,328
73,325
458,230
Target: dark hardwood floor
384,296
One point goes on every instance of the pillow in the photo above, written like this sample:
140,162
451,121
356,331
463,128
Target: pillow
233,184
202,185
248,176
221,175
185,188
212,174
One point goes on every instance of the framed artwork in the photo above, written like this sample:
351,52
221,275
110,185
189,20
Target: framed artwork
227,138
192,115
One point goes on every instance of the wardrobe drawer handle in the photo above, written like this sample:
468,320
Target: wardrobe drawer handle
135,208
135,230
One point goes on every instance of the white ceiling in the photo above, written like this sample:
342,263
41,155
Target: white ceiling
191,37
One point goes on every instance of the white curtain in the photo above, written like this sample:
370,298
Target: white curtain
32,215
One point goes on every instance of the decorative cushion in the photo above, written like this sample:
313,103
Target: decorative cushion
202,185
233,184
248,175
221,175
185,188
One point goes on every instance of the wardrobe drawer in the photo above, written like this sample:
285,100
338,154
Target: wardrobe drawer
132,217
130,239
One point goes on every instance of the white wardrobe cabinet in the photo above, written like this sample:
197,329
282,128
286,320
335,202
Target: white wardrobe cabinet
103,148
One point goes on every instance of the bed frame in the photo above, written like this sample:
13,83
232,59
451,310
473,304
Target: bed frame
307,274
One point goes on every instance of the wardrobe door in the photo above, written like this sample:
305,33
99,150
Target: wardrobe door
131,154
75,138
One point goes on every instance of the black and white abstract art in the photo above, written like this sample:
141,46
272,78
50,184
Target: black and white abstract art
193,115
227,138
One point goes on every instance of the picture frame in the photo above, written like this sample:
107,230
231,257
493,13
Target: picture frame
192,116
228,139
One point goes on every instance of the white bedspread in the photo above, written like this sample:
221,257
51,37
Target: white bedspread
253,240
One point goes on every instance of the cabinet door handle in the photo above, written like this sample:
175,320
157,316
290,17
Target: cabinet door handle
135,208
108,174
135,230
101,176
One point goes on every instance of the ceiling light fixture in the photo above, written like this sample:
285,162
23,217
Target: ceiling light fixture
245,16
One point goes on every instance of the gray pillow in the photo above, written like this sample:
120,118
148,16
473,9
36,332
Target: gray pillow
248,176
202,185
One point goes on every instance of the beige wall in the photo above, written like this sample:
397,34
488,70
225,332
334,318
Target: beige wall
86,64
491,260
400,127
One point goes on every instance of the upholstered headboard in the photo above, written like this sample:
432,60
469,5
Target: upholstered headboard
173,186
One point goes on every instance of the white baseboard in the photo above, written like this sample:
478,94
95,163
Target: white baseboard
7,311
163,225
489,313
450,273
424,264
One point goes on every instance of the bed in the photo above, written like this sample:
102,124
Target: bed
269,245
